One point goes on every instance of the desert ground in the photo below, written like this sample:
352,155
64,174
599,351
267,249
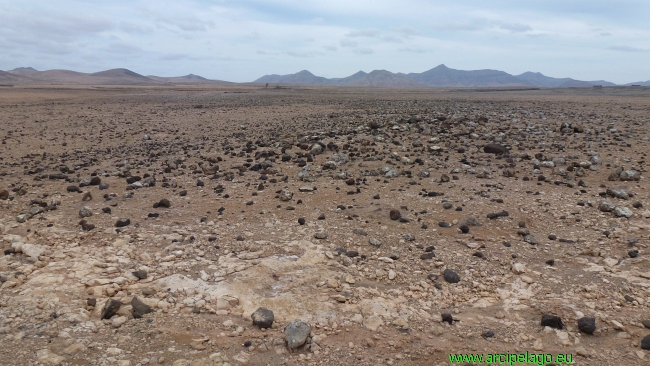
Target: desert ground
164,225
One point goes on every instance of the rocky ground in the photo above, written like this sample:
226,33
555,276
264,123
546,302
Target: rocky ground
208,226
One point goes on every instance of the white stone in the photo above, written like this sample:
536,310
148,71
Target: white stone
518,268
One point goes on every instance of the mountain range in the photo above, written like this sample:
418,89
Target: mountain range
440,76
28,75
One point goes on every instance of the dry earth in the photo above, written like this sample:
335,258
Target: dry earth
366,213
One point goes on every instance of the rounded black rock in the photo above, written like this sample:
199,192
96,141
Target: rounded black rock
645,343
263,318
451,276
122,222
587,325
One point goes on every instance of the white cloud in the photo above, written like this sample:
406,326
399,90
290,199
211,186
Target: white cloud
364,33
364,51
626,49
515,27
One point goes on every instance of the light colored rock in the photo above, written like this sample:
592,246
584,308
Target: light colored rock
119,321
372,322
622,211
527,279
296,333
610,261
581,351
518,268
73,349
242,357
47,357
114,351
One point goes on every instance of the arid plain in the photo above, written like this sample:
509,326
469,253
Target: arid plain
148,225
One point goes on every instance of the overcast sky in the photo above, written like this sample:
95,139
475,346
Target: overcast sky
241,40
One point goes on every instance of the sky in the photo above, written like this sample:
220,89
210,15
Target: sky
242,40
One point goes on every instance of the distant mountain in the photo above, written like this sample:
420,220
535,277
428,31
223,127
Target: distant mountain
118,73
601,82
28,75
357,77
187,79
302,77
538,79
23,71
381,78
8,78
193,77
571,83
641,83
442,76
439,76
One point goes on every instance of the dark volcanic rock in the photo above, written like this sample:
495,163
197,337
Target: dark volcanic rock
645,343
551,321
140,274
122,222
110,308
140,308
496,215
495,149
587,325
451,276
263,318
164,203
395,214
446,317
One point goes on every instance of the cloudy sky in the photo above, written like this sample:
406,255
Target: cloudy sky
241,40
